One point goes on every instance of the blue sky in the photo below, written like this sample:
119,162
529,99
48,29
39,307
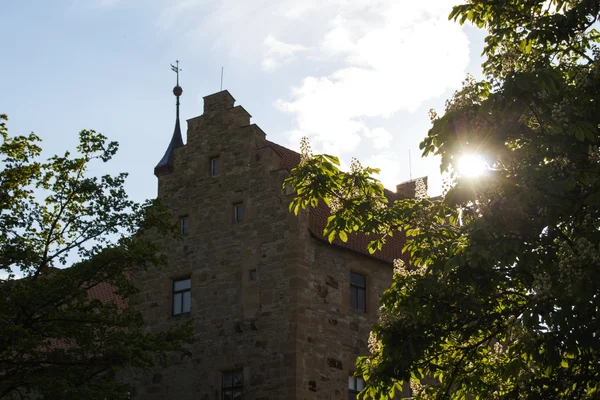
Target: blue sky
356,76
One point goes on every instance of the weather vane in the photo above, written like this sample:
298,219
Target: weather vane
177,90
176,69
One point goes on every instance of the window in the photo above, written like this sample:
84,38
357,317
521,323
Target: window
214,166
358,292
233,383
355,385
253,274
182,296
238,212
183,226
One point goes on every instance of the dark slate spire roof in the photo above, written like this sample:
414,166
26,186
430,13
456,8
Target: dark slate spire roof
165,165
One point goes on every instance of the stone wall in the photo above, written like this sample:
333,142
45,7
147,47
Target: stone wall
332,334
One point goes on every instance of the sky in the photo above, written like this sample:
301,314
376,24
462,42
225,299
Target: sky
357,77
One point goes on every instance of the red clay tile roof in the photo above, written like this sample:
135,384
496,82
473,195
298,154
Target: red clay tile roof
289,158
105,292
102,291
318,219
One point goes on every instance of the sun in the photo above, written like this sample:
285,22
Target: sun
471,166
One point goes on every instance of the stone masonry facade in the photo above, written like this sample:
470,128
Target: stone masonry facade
270,300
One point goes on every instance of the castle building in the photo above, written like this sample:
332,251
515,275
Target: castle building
278,312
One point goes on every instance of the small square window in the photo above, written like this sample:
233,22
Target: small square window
355,385
238,212
214,166
182,296
183,226
233,385
358,292
253,274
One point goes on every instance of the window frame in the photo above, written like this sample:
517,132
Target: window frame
233,387
353,392
182,292
253,275
186,224
238,206
212,170
355,289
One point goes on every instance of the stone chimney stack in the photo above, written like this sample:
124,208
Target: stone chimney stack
407,190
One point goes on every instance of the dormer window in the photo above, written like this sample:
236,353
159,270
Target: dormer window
214,166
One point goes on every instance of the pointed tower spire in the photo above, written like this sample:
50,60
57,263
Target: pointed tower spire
165,165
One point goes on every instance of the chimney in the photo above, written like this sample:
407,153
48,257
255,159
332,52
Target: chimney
407,190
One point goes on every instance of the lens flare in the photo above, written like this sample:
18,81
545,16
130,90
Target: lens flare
471,166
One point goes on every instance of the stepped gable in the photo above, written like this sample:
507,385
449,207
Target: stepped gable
318,219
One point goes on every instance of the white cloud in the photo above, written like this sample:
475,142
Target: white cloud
410,55
391,167
278,53
381,137
339,39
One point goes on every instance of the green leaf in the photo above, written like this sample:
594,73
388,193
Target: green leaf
343,236
331,236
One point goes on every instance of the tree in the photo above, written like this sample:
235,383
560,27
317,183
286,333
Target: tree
57,338
502,296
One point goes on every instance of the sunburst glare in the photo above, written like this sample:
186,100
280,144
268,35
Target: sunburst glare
471,165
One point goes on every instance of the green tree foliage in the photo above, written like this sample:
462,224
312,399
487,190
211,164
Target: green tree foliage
55,338
502,296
